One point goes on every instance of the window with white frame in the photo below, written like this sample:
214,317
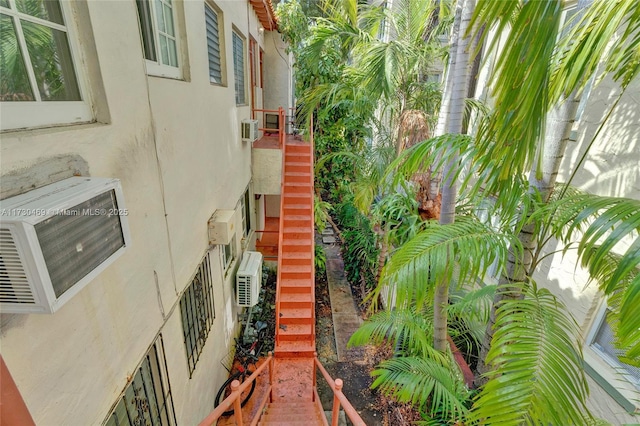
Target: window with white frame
147,399
158,31
39,81
238,68
246,213
214,44
602,341
228,253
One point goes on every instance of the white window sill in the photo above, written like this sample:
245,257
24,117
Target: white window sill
24,115
154,69
624,392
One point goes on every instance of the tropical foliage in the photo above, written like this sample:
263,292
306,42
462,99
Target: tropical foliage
533,356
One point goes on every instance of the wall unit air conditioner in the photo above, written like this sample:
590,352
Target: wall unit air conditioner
54,240
222,226
249,279
249,130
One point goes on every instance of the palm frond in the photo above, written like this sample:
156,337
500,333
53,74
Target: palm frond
412,328
474,304
601,225
536,363
426,383
609,31
519,83
425,260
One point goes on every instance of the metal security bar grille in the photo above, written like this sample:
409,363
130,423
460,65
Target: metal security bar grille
238,68
147,399
213,45
198,313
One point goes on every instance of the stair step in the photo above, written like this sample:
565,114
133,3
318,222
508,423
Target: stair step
305,207
296,316
297,217
298,174
295,332
288,223
288,419
298,147
298,231
302,261
297,242
296,164
294,348
297,168
297,188
296,300
290,408
295,286
298,269
296,255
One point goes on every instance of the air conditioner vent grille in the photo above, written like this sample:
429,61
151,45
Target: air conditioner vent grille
14,286
79,239
244,290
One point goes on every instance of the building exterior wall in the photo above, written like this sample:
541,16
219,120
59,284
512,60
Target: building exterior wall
611,168
278,91
175,146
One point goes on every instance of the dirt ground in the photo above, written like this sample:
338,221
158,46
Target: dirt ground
374,408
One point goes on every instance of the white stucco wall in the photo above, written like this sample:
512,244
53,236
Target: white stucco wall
175,146
278,80
611,168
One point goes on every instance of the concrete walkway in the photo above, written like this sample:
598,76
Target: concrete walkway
345,315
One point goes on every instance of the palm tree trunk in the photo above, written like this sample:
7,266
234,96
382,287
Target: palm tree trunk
558,133
560,120
445,105
459,70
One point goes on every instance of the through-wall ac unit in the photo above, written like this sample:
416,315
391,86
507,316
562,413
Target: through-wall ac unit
54,240
249,279
222,226
249,130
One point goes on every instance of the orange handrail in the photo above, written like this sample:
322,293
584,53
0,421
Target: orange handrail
280,235
313,246
339,399
236,391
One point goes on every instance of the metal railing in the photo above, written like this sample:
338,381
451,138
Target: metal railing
339,398
281,123
233,400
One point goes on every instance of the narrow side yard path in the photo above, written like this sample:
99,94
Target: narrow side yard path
345,314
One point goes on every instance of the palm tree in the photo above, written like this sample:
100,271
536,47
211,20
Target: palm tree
459,71
525,343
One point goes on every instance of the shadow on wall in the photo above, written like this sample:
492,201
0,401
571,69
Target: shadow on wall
612,167
43,172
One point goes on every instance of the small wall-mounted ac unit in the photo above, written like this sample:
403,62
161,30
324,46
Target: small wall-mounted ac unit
249,279
249,130
54,240
222,226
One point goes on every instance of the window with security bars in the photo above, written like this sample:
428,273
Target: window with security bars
603,341
213,44
147,398
238,68
198,313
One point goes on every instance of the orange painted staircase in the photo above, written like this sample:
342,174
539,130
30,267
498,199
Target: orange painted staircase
291,396
295,297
